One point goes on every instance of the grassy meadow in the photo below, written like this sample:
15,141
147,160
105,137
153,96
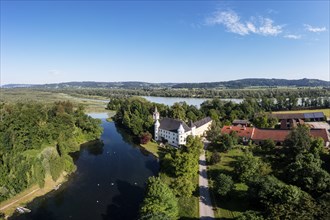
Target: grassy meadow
92,104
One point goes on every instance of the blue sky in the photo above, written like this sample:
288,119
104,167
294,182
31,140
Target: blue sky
163,41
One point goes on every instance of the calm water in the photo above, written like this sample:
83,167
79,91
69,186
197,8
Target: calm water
190,101
109,182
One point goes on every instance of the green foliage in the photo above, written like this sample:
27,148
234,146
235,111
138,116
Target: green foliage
159,202
56,166
194,146
213,134
215,158
268,145
135,114
227,142
306,172
248,167
263,120
185,164
224,184
177,111
324,206
298,141
183,186
282,201
36,139
250,215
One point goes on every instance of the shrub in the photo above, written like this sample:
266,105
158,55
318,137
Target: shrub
215,158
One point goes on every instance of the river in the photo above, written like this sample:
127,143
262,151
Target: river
109,182
190,101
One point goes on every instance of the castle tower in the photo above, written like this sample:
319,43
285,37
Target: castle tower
181,132
156,114
157,124
193,128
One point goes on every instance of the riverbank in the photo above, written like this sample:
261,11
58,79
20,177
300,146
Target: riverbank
9,206
151,147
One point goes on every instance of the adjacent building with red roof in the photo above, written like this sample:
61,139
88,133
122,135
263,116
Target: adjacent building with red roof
258,135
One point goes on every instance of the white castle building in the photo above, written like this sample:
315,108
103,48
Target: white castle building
175,131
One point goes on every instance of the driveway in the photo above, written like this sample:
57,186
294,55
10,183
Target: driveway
205,204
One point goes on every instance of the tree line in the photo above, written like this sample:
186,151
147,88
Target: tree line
36,139
238,93
176,181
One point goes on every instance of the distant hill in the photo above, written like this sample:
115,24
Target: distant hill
241,83
17,85
257,82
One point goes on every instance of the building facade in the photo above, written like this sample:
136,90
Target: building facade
175,132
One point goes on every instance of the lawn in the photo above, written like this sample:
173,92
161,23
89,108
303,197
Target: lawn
325,111
152,147
231,207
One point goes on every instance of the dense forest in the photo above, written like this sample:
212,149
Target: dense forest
36,140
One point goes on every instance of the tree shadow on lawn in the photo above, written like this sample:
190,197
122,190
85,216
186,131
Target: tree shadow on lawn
236,201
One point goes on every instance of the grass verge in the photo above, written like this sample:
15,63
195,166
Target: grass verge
231,206
152,147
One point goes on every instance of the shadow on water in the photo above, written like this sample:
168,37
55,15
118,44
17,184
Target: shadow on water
124,202
92,147
152,166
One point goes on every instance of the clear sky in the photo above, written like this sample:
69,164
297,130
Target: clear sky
163,41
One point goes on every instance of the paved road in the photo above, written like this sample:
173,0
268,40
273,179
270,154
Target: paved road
205,204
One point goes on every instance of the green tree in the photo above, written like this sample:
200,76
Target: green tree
248,167
213,134
223,184
268,145
185,164
250,215
306,172
215,158
177,111
298,141
227,142
159,201
183,186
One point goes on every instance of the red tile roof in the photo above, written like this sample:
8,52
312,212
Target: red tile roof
322,133
241,130
277,135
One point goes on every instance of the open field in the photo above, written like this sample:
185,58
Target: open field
325,111
97,104
227,208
